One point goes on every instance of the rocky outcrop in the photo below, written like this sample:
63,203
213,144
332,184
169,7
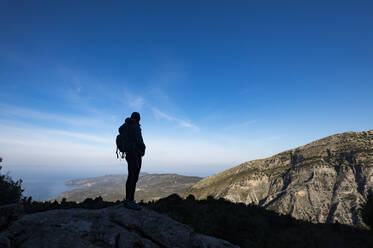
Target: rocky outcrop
114,226
9,213
324,181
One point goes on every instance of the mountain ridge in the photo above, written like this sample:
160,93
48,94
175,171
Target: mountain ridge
323,181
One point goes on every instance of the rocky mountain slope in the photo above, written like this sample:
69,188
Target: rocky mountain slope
112,187
113,226
324,181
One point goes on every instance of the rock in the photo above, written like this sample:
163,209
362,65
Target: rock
325,181
4,242
109,227
9,213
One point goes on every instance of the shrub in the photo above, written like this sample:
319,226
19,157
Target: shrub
251,226
10,191
367,211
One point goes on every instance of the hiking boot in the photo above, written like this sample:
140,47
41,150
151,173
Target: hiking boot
131,205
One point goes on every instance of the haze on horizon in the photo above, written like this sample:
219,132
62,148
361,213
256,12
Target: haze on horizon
216,83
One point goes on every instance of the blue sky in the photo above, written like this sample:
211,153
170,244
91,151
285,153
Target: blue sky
217,82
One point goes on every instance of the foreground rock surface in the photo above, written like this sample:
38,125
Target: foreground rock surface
9,213
109,227
325,181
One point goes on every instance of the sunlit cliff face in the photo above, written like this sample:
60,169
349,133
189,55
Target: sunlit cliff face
323,181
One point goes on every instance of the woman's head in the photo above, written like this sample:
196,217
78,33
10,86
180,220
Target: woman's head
135,116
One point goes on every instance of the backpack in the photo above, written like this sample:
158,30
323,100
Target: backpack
123,142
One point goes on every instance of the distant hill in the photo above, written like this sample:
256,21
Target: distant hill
112,187
323,182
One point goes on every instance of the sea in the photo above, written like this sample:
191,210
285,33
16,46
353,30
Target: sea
43,183
43,187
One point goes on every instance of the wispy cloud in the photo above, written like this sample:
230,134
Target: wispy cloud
240,125
183,123
135,102
28,113
14,130
89,93
27,145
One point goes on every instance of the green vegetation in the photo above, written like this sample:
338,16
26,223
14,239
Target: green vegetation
367,211
275,171
10,191
36,206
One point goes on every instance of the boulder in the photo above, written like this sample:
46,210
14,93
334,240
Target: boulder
9,213
114,226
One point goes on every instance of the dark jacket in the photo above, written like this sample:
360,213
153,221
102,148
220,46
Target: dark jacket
135,136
